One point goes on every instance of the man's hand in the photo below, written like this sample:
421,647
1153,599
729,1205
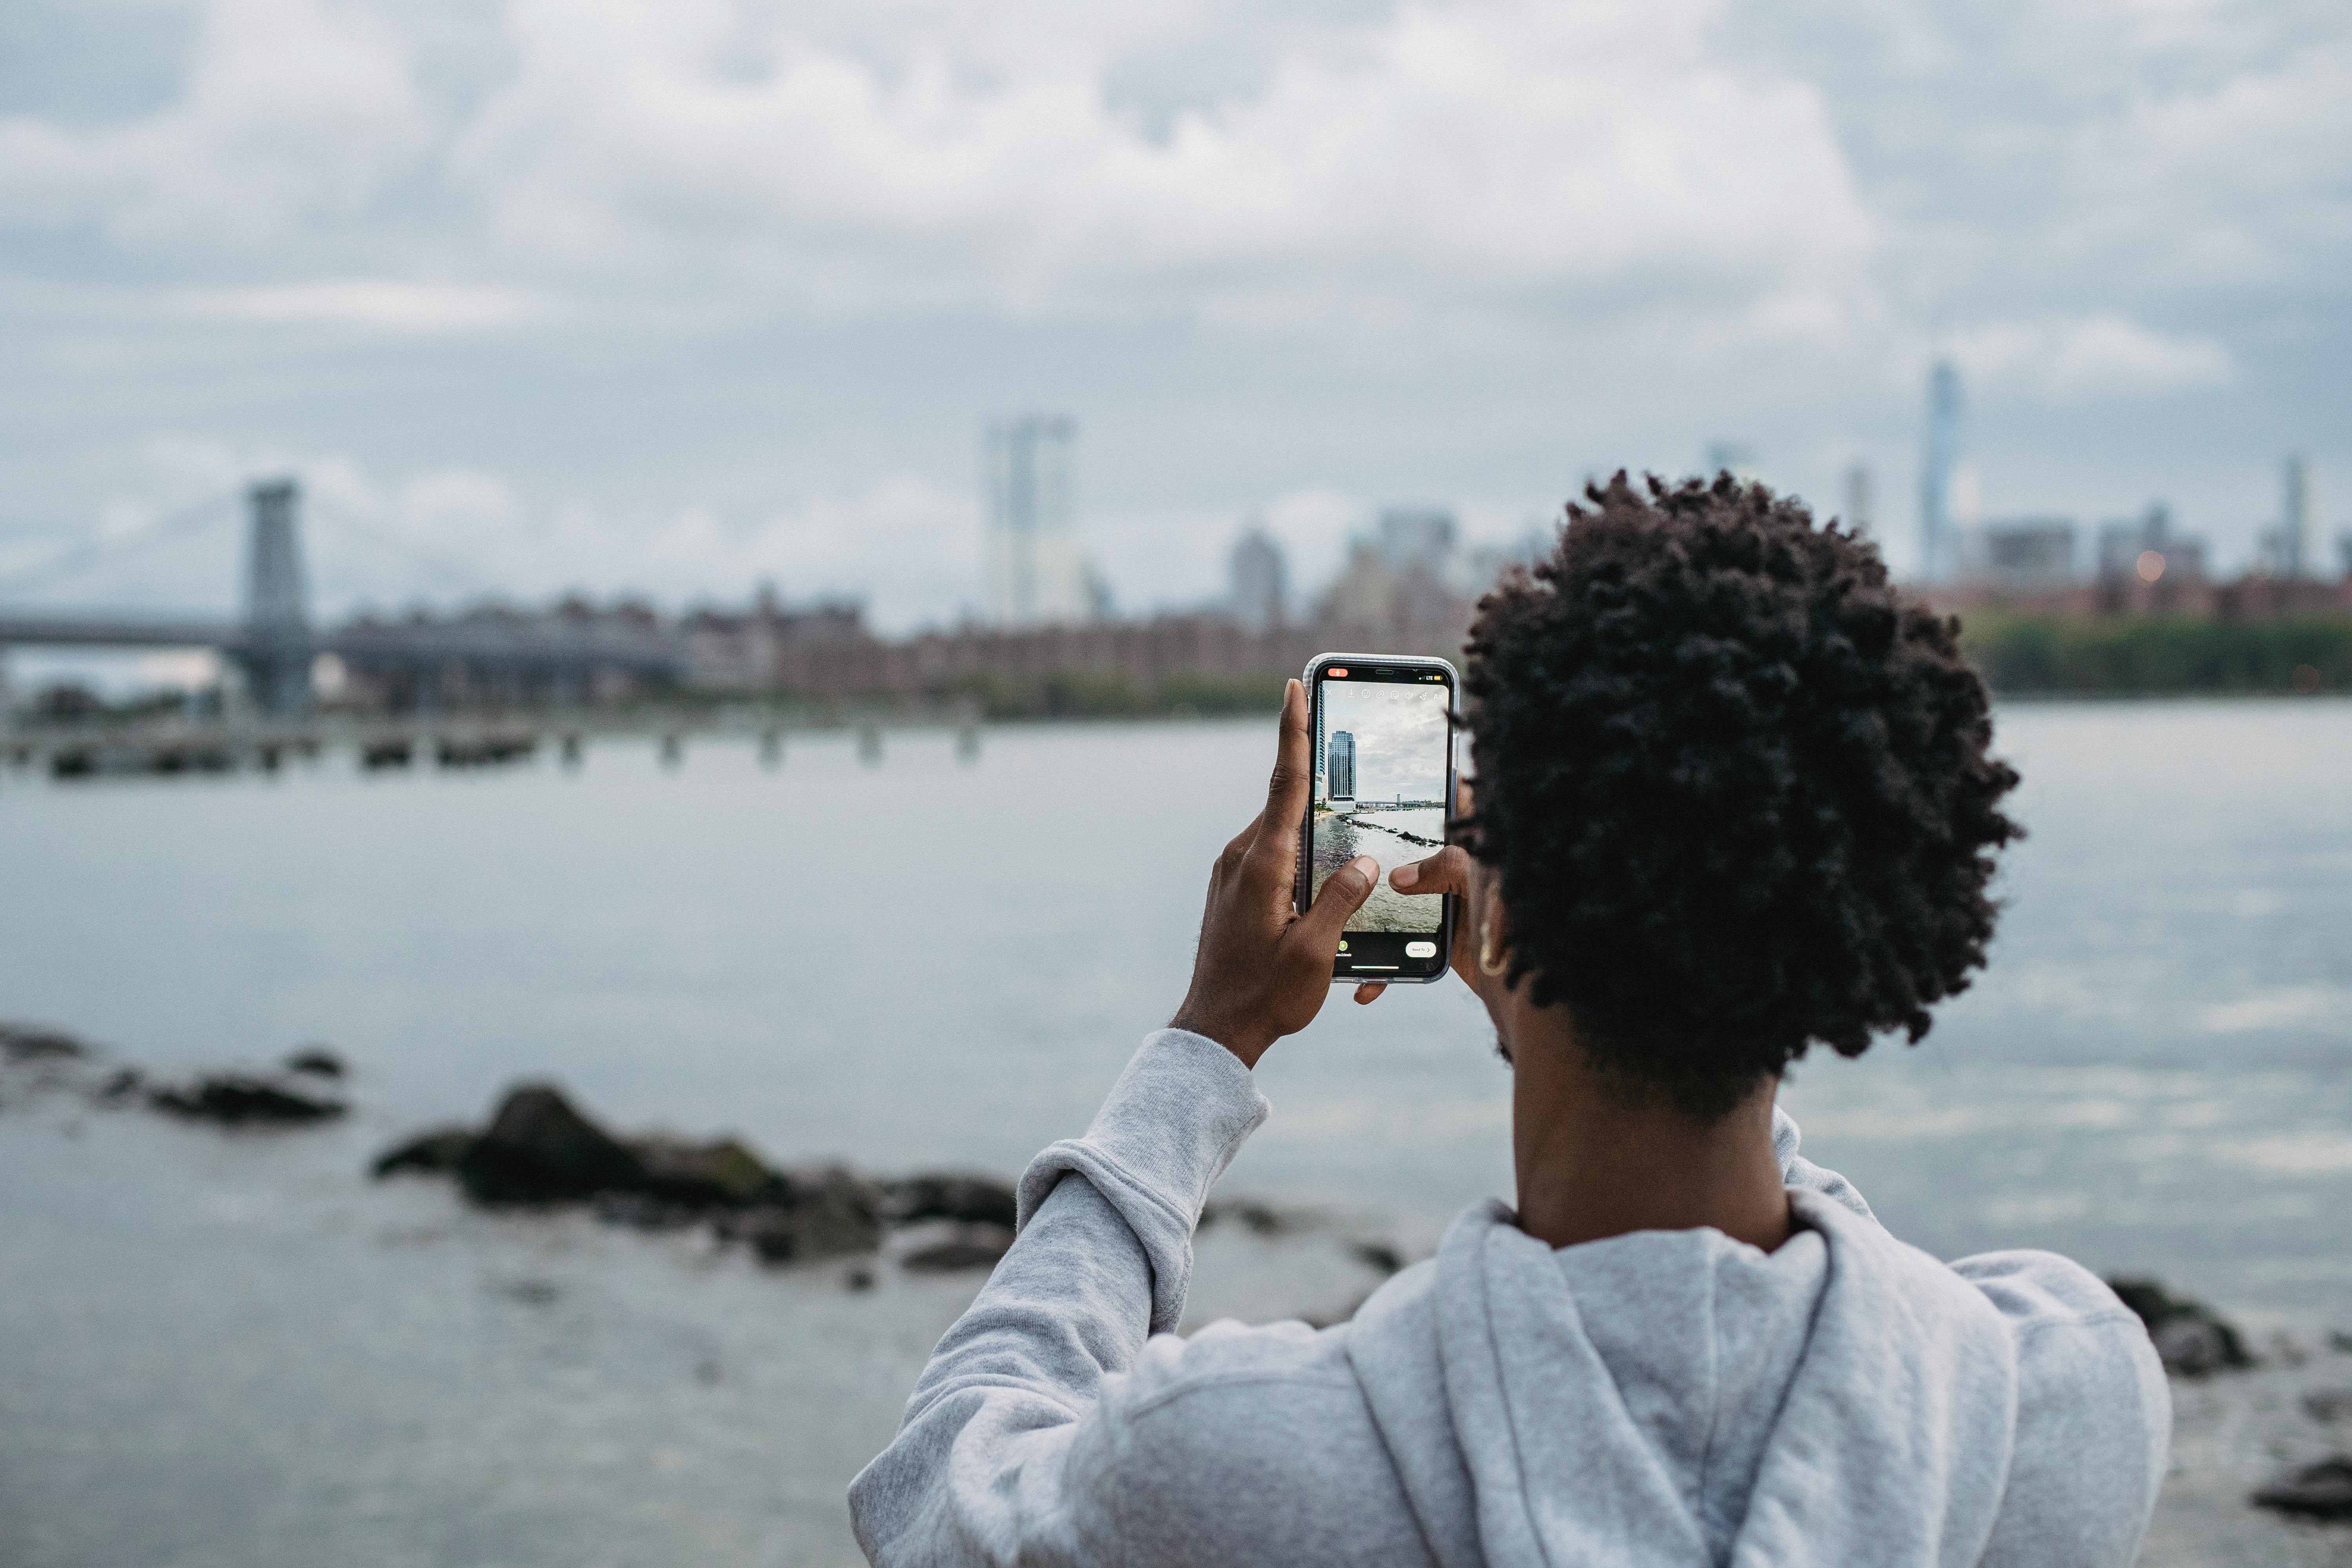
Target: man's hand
1262,969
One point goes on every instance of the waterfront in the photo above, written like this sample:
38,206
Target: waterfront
221,1350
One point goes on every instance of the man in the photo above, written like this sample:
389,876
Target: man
1734,798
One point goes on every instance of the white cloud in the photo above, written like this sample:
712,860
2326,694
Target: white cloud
1449,149
2095,356
378,305
295,114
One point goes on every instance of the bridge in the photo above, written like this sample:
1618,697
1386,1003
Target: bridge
557,657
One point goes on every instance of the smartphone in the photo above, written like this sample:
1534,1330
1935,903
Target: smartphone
1383,729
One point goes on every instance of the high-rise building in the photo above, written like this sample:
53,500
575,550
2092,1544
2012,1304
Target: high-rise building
1417,536
1938,554
1857,498
1261,587
1339,767
1036,573
2295,518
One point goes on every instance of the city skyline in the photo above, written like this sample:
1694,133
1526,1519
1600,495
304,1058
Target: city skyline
677,303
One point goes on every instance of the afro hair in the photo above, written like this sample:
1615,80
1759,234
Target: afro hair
1736,785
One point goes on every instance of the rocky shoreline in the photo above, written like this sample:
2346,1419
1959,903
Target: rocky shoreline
2262,1456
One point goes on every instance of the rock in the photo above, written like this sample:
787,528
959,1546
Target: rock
1263,1219
234,1099
540,1149
979,1247
2189,1339
724,1175
2322,1490
825,1213
1377,1255
438,1153
967,1199
838,1211
860,1278
643,1211
19,1043
2327,1405
317,1060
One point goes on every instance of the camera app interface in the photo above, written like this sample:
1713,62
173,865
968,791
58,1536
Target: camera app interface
1381,750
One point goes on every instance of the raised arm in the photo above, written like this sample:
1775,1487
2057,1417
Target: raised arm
1007,1453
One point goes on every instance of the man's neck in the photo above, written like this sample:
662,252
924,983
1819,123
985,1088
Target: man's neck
1590,1165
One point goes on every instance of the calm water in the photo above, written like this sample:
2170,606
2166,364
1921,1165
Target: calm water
218,1350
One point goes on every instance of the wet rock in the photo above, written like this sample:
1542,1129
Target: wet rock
966,1199
1263,1219
643,1211
839,1212
2189,1339
20,1043
316,1060
724,1175
435,1154
978,1246
831,1212
540,1149
2322,1490
236,1099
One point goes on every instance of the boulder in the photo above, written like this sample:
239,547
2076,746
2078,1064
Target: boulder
537,1149
966,1199
19,1043
438,1153
977,1246
234,1100
2189,1338
317,1060
811,1214
724,1175
2322,1490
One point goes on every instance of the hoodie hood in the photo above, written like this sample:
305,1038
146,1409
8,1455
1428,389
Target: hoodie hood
1677,1396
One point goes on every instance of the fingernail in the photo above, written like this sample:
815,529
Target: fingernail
1404,876
1368,867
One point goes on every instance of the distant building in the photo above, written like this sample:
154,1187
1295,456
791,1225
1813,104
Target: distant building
2146,549
2288,559
1260,581
1938,526
1339,767
1734,457
1857,499
1420,536
2025,554
1036,573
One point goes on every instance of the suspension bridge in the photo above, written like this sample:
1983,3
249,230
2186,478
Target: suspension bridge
275,646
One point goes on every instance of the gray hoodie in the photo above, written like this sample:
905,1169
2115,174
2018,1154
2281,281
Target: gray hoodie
1661,1397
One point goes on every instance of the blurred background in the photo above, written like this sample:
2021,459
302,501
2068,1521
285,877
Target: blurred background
735,559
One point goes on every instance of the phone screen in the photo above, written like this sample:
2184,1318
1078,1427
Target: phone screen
1383,764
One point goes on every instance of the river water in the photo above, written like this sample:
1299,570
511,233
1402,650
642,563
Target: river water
235,1350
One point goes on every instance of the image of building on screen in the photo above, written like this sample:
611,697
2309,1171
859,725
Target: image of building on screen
1339,768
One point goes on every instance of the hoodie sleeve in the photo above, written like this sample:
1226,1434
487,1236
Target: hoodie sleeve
979,1472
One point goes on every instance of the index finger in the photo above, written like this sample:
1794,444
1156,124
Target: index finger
1293,780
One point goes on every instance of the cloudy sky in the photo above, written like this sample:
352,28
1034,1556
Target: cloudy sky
1403,738
675,295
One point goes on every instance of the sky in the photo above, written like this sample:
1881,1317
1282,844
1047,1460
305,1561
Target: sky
1403,738
672,298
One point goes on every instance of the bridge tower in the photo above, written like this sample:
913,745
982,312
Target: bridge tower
277,645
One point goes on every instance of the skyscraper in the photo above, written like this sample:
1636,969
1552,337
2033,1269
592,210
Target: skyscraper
1036,575
1339,767
1938,554
2295,519
1261,588
1857,498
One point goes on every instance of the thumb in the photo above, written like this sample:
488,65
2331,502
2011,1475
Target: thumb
1344,893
